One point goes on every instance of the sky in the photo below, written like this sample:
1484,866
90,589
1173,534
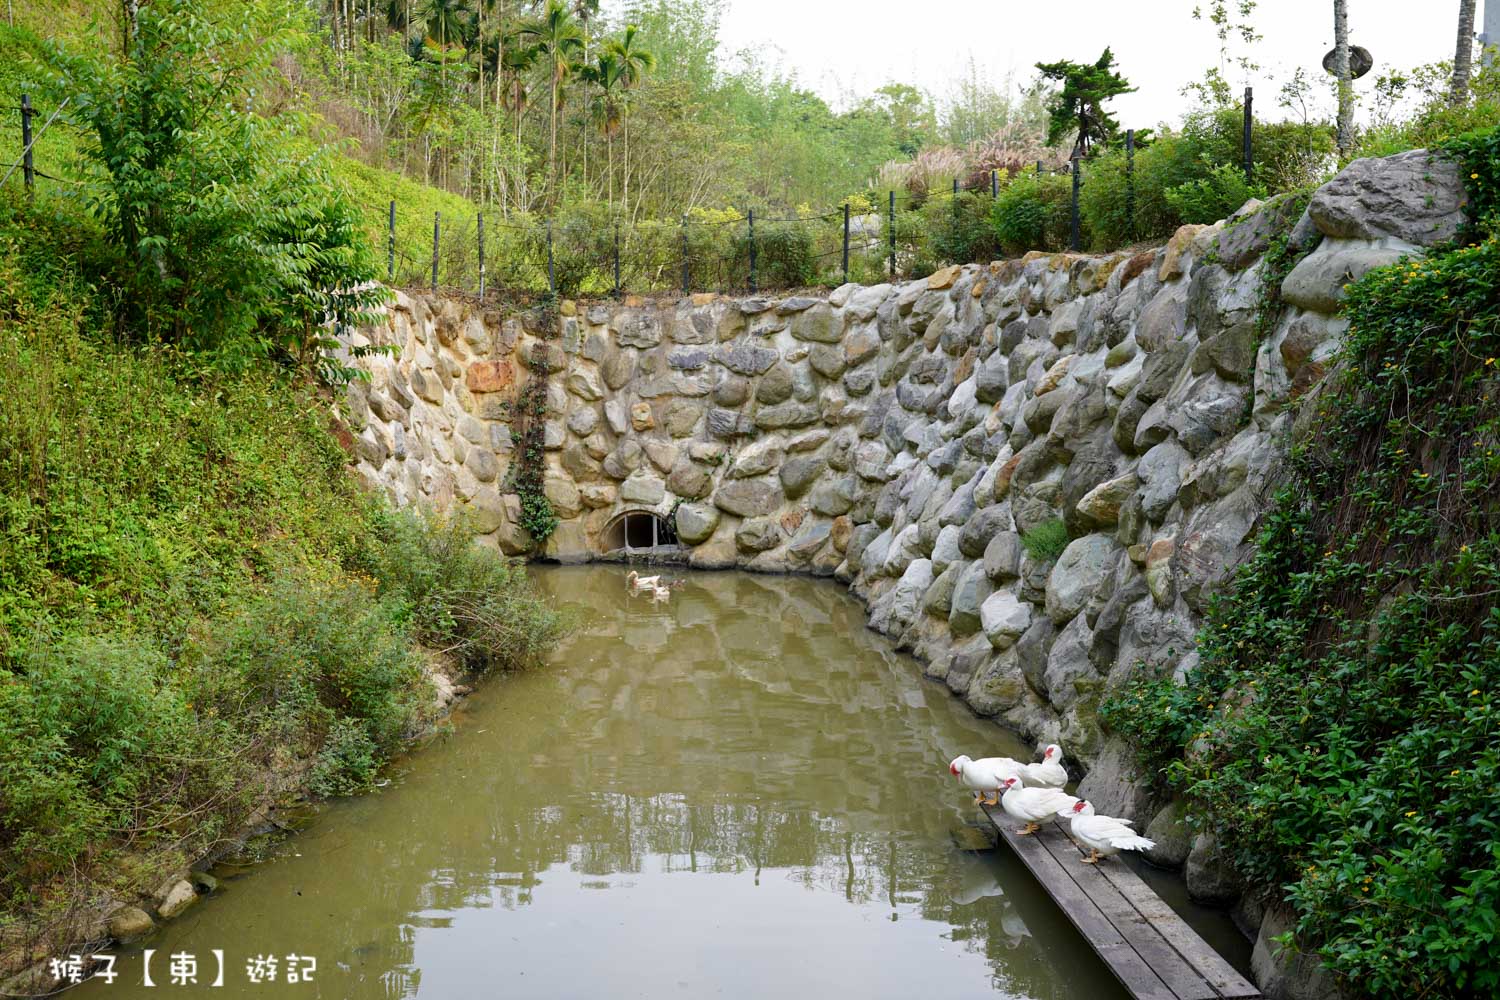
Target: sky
841,46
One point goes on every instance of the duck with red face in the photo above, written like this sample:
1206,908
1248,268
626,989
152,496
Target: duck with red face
984,775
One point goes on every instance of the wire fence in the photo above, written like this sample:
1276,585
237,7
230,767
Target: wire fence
590,252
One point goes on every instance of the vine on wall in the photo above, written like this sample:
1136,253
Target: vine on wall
537,515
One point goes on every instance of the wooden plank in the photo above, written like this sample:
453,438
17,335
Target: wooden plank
1180,976
1147,945
1134,973
1197,952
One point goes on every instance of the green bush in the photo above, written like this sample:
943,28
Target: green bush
1033,213
1342,727
963,230
1047,540
347,762
783,255
1216,195
459,597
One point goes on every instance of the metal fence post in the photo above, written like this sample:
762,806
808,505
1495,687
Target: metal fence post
551,268
1130,184
751,216
28,166
1249,118
994,183
955,187
436,223
686,276
1075,234
891,218
617,260
481,255
846,243
390,246
1039,168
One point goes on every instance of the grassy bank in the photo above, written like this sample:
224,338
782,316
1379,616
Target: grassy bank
199,613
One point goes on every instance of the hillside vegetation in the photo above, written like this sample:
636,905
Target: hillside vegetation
201,617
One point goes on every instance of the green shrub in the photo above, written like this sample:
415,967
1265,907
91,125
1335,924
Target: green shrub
1033,213
1047,540
460,597
783,255
963,231
347,762
308,652
1216,195
1342,727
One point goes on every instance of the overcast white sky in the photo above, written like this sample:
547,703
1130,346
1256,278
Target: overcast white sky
838,46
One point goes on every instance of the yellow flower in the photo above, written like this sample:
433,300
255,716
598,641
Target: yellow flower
1474,693
1473,177
1453,773
1412,813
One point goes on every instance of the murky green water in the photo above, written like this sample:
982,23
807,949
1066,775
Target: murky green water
742,793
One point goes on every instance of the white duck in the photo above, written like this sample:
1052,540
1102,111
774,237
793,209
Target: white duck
635,582
985,775
1048,772
1032,805
660,594
1104,836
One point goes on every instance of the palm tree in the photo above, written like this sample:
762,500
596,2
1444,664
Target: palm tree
1463,56
558,37
516,56
445,21
605,74
634,63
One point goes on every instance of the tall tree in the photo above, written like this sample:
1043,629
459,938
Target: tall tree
445,22
604,73
1463,55
1345,78
558,40
1079,103
634,63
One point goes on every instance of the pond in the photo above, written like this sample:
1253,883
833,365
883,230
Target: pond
740,793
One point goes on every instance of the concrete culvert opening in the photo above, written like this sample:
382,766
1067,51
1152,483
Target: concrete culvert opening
639,530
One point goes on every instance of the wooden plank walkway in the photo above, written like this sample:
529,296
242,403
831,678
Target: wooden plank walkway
1149,948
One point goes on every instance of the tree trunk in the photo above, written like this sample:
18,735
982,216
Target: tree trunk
1463,55
552,146
1346,83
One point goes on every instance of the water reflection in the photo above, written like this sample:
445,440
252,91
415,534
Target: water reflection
738,793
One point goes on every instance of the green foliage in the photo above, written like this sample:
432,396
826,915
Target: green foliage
460,598
962,229
347,762
1078,107
537,515
195,602
1341,727
1047,540
783,255
232,242
1033,213
1216,195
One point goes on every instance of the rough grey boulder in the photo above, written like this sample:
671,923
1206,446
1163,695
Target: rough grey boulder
1209,877
969,595
748,498
696,522
1416,196
1078,572
1004,618
1319,279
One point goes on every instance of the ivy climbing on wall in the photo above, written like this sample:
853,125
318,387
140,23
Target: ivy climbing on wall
537,515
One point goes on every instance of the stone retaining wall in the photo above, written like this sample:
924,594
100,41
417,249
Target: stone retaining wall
916,439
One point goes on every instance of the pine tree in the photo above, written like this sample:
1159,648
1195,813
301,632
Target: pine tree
1079,105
